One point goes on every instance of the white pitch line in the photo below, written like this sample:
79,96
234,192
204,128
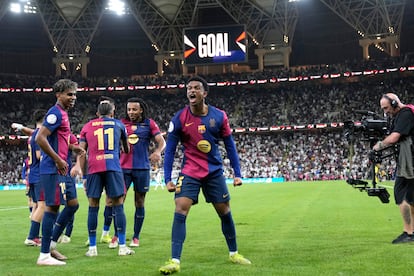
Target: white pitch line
13,208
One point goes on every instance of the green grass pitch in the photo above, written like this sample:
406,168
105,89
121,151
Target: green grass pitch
293,228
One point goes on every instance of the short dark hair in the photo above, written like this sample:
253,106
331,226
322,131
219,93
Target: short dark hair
200,79
105,108
143,105
106,98
39,115
64,84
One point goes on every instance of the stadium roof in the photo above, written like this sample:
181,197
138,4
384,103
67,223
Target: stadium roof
319,31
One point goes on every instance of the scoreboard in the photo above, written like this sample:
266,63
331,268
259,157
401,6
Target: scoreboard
215,45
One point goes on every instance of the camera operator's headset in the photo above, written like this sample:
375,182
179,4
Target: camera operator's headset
393,102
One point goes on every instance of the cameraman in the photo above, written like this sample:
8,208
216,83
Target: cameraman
401,133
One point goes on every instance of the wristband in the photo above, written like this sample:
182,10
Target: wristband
17,126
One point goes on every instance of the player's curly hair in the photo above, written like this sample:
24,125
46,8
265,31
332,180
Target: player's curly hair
200,79
143,105
64,84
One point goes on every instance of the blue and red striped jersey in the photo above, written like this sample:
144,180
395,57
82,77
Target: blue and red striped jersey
139,137
34,173
199,137
103,137
57,121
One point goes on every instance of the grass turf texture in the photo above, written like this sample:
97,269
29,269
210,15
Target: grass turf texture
297,228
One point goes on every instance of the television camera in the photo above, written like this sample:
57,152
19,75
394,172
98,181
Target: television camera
370,128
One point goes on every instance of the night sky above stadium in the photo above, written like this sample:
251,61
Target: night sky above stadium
121,48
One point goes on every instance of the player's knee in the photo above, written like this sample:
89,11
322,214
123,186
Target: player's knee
73,209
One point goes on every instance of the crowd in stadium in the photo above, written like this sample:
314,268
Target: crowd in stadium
20,81
293,155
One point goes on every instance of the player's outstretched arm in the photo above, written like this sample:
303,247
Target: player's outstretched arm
19,127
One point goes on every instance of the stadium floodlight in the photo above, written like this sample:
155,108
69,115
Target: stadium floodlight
15,7
155,47
255,41
23,6
117,6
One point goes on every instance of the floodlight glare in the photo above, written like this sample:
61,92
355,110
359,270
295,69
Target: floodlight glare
23,6
117,6
28,8
15,7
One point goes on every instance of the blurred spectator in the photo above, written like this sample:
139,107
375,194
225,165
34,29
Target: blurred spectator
293,155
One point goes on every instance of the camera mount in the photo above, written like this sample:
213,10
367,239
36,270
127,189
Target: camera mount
375,157
373,129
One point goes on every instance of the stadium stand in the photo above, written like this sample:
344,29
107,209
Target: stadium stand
310,154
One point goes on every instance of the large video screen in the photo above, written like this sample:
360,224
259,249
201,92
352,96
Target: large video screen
215,45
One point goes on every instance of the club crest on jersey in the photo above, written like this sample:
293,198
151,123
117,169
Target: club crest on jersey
201,129
51,119
133,128
212,122
133,139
